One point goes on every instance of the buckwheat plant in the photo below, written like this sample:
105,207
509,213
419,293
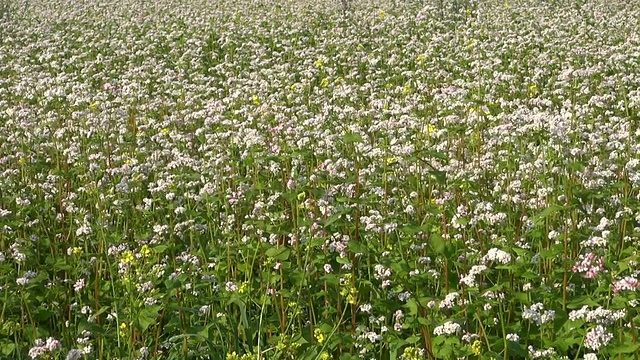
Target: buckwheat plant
274,179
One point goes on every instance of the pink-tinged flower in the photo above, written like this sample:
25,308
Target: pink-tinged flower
590,265
42,347
626,284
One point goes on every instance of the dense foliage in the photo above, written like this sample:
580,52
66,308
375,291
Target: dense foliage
272,179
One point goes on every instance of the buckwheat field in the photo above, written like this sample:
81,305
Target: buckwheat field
315,180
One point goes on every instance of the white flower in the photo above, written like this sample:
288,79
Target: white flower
540,354
74,354
203,310
404,296
79,285
448,328
231,287
497,255
538,315
449,300
597,338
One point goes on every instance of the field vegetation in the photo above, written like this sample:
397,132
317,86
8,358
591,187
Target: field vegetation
315,180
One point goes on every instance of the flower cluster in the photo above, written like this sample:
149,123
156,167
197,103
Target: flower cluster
448,328
43,347
590,265
538,315
350,170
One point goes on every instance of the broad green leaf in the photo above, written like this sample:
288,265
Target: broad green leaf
7,348
148,316
625,348
159,249
438,243
281,253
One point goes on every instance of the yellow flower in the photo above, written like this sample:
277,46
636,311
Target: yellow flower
412,353
431,129
476,347
145,251
123,329
319,63
302,196
77,250
351,299
324,82
233,356
325,356
382,14
243,287
165,131
127,257
256,100
319,336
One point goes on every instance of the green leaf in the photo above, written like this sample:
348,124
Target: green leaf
7,348
148,316
310,354
412,307
159,249
625,348
352,138
547,212
438,243
356,247
579,301
316,242
411,229
395,346
517,349
281,253
413,339
332,219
